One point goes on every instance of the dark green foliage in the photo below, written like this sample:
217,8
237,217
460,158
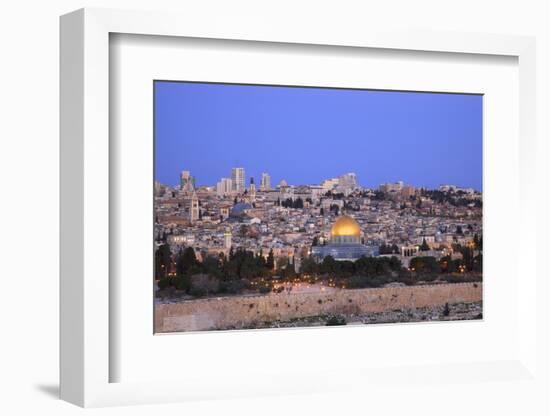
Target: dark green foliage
360,282
164,283
298,203
212,266
329,265
426,264
309,266
424,246
182,283
478,263
186,262
335,320
456,199
163,258
387,249
374,266
270,262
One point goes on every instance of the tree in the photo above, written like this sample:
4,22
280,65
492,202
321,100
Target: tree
163,258
282,263
478,242
322,211
186,262
289,271
329,265
308,266
384,249
212,266
395,264
424,246
426,264
247,269
270,262
298,203
182,283
468,257
478,263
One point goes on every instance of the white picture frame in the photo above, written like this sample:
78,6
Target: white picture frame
86,355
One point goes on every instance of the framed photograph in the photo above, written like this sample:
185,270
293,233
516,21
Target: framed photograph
265,211
301,232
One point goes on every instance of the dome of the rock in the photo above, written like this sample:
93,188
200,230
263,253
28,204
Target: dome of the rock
345,227
344,243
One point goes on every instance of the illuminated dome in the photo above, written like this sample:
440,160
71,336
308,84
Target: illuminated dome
345,243
345,227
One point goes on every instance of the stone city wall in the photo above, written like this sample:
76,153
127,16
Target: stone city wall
243,311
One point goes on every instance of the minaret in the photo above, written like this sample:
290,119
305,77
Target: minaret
194,208
227,238
252,190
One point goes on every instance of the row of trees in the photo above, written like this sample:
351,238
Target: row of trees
457,199
428,264
241,264
367,266
214,274
239,270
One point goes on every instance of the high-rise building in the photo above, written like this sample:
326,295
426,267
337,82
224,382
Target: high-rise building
265,184
224,187
391,187
349,180
238,178
187,182
329,184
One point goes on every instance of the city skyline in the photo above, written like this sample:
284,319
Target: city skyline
423,139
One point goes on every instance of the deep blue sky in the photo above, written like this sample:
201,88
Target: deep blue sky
305,135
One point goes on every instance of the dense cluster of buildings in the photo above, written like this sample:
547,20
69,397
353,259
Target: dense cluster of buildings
337,217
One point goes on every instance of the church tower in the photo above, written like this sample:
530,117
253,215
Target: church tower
194,208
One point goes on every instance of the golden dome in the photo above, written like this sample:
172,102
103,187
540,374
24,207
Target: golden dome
345,227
